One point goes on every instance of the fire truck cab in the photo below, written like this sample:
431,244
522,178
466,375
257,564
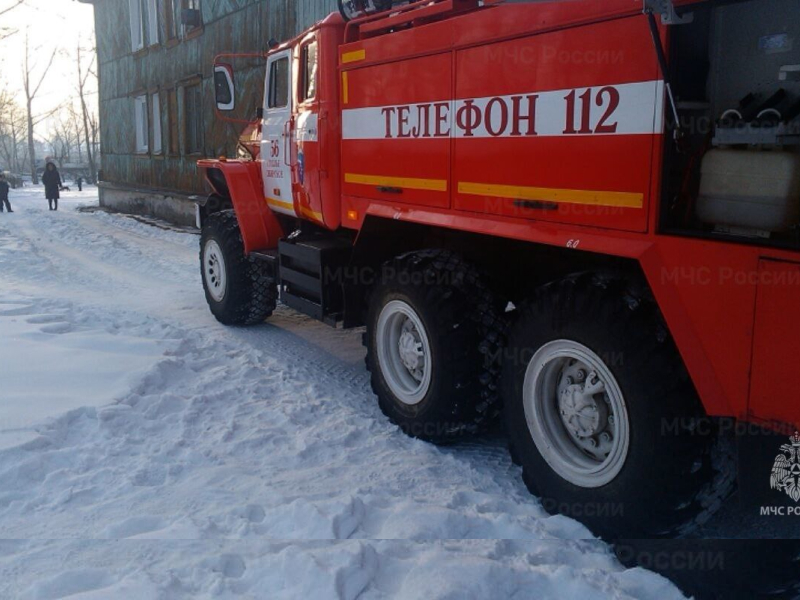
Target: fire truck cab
584,215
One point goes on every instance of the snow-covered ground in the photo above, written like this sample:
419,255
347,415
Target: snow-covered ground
148,452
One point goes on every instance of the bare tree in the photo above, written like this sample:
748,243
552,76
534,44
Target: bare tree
6,8
83,77
32,83
75,121
94,125
12,132
65,136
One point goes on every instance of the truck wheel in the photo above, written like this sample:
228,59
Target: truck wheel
434,334
238,289
603,417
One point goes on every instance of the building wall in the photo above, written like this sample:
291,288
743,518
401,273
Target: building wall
171,67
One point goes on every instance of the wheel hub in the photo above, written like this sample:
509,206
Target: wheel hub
582,415
411,351
584,410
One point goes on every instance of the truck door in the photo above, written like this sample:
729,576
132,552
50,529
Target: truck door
277,138
307,152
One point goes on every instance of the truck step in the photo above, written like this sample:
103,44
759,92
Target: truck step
311,276
270,258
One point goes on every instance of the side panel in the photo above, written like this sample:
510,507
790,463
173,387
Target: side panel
560,126
775,393
390,150
707,295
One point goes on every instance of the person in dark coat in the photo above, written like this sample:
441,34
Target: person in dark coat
4,203
79,181
52,185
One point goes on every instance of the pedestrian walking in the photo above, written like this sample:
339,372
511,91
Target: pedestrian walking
52,185
79,181
4,187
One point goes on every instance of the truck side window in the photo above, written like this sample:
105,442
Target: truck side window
309,81
279,84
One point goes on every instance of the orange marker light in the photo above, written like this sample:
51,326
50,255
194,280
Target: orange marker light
352,215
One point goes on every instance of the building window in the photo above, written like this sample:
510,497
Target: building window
279,84
191,16
193,118
171,20
144,23
174,124
308,90
142,125
158,146
152,22
181,18
137,27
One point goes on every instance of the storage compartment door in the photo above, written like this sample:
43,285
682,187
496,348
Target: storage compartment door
775,387
560,126
396,131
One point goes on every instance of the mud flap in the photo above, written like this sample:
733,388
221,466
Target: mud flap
769,476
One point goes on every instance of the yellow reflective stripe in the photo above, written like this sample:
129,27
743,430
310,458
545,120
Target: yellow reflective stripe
408,183
354,56
307,212
280,204
345,87
559,196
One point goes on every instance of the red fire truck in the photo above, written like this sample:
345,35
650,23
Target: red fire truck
583,215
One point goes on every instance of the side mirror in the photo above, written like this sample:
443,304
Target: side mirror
224,88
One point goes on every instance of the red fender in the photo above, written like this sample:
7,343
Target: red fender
260,228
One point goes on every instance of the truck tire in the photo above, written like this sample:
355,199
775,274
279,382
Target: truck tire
238,289
434,335
603,417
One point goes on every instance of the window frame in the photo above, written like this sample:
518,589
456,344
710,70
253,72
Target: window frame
170,21
158,132
174,123
153,23
186,32
144,24
188,90
141,124
272,88
136,19
304,94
